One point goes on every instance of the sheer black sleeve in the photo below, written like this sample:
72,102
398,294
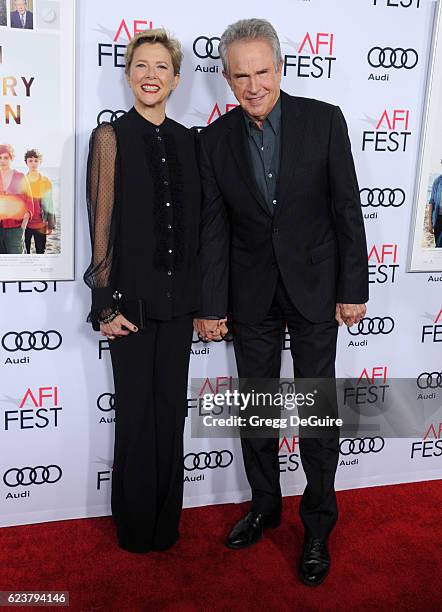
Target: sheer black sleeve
102,210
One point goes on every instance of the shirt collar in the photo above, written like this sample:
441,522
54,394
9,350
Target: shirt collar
273,118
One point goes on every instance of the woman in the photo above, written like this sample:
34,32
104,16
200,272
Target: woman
16,204
43,220
144,200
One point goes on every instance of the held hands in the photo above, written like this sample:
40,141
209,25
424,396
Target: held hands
117,328
210,329
350,313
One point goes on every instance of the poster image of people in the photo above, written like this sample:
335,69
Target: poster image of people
28,219
22,17
426,231
432,234
37,141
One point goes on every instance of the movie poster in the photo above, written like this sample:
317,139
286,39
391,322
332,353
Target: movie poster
426,237
37,139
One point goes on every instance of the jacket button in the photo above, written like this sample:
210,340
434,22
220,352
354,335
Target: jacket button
275,230
168,294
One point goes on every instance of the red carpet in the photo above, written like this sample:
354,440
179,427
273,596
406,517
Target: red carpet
386,555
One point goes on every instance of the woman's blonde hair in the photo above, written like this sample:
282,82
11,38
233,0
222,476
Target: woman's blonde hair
160,36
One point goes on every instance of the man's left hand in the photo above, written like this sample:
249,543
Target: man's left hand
350,313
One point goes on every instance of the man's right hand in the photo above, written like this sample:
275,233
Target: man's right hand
210,329
117,328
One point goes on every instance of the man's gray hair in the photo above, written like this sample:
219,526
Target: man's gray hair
250,29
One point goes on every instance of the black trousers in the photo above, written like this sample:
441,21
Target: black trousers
258,355
150,375
39,239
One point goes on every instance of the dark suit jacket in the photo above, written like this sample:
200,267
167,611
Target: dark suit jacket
16,21
315,239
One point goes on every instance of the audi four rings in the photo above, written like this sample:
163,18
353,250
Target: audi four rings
109,116
361,446
382,197
27,476
106,402
204,47
31,341
372,326
429,380
388,57
211,460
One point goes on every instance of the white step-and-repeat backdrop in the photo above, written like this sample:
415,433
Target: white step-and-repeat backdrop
56,402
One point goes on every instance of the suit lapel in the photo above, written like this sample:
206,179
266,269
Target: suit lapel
293,144
238,145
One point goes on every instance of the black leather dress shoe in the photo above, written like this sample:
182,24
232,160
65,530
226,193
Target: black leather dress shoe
250,529
315,561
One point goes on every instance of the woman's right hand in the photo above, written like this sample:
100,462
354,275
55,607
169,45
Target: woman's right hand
117,328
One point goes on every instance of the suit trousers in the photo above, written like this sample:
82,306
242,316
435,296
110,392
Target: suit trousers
258,355
150,375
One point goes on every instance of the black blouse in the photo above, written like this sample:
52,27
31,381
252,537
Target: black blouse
143,195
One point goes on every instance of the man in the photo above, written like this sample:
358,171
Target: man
282,233
435,211
21,17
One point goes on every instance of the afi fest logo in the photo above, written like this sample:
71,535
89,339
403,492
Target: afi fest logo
12,287
425,449
216,112
289,454
390,134
398,3
38,409
433,333
206,48
382,263
314,56
371,387
212,386
113,53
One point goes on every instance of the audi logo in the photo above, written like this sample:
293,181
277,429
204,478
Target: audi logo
106,402
109,116
429,380
361,446
206,48
211,460
31,341
374,326
392,58
382,197
286,386
196,339
32,475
